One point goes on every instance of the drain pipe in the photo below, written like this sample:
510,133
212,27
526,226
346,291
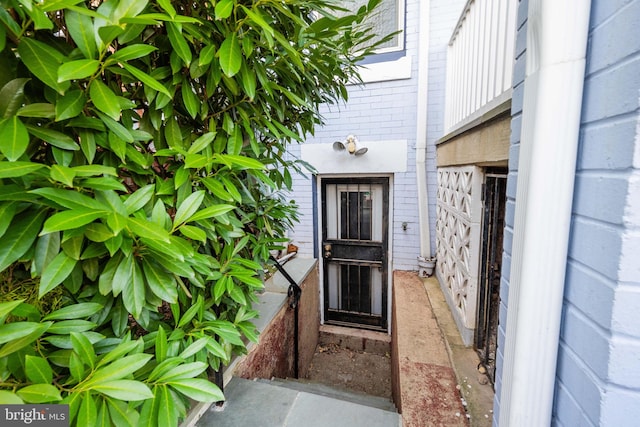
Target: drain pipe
556,48
421,133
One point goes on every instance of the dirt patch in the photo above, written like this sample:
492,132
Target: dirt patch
356,371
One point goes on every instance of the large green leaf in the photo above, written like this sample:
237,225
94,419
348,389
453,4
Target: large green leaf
240,162
119,369
75,311
116,127
188,207
9,21
257,18
17,169
134,51
185,370
7,212
21,235
39,109
53,137
39,393
124,390
172,133
80,28
207,54
194,348
54,273
3,38
47,247
51,5
148,230
38,370
105,100
167,410
11,96
122,415
198,389
62,174
112,201
14,138
223,9
70,104
7,307
248,81
193,233
123,274
9,398
40,19
133,293
139,199
43,61
70,199
179,43
16,330
126,9
65,327
161,283
79,69
64,341
93,170
118,146
83,348
146,79
88,411
71,219
97,232
15,345
190,99
230,54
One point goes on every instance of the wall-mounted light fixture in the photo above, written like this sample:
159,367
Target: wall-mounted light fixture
350,146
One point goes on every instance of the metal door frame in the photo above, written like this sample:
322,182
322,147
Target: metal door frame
353,319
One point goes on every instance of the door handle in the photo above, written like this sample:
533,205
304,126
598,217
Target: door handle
327,250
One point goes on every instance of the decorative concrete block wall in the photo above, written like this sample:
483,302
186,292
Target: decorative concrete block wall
458,227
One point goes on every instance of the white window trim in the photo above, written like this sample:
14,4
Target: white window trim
385,71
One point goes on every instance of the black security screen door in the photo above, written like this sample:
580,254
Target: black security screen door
494,199
354,248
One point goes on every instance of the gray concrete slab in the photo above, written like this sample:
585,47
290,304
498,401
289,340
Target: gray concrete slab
311,410
251,403
269,304
255,403
297,268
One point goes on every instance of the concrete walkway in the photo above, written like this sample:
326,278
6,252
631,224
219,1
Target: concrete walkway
258,403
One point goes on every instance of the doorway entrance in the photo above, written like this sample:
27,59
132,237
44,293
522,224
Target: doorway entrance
494,201
354,251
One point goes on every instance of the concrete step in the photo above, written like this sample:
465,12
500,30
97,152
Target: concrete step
333,392
265,404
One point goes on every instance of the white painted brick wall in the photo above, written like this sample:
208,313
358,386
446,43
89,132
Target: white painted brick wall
387,111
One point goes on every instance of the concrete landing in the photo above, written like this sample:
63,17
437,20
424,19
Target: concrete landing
425,389
257,403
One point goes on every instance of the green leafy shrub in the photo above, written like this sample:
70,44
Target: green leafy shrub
142,151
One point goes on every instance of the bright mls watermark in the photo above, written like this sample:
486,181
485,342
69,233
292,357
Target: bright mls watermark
34,415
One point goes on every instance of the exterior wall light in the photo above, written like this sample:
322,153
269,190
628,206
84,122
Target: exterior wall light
350,146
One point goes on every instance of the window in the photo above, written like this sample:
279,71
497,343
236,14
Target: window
387,18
